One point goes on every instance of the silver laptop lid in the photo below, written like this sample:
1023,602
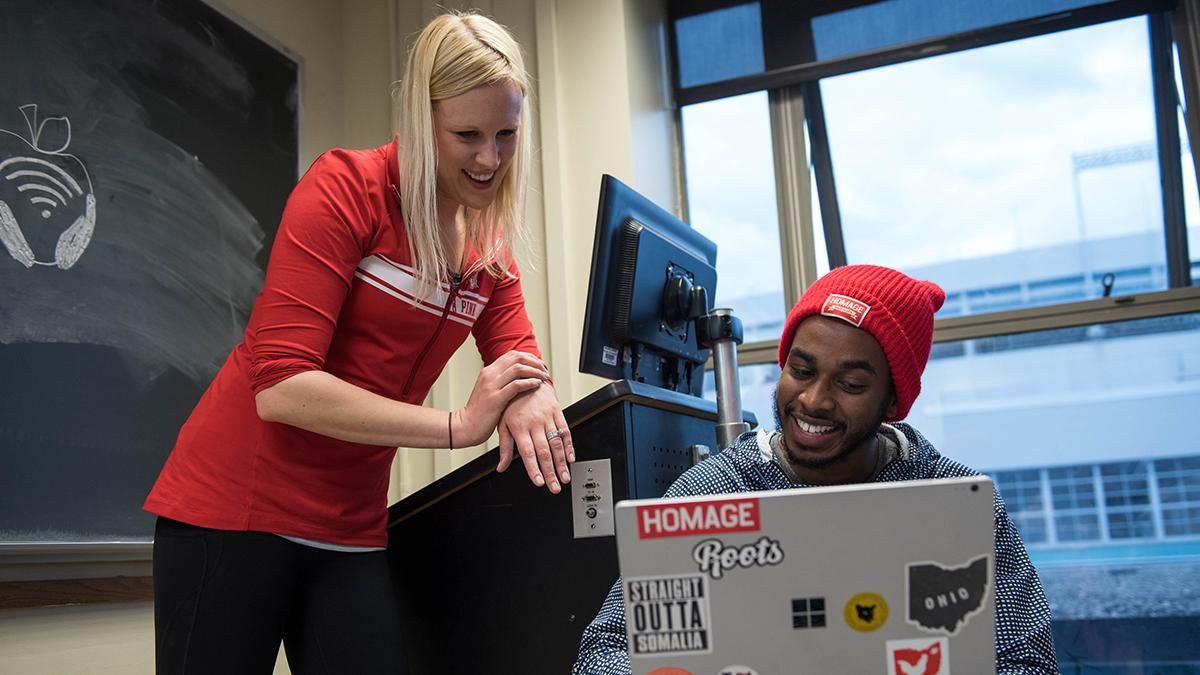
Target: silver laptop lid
870,578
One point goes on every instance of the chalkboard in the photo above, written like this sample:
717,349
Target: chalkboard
146,151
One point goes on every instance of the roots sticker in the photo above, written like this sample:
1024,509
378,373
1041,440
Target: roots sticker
716,558
866,612
944,598
668,615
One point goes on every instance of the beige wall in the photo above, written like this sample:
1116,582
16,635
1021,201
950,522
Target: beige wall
345,49
604,110
599,107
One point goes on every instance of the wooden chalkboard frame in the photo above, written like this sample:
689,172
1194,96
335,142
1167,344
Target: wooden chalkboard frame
63,574
87,562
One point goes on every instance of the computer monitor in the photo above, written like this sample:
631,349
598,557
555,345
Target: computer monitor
652,274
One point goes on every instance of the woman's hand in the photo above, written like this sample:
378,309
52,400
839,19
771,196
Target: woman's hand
508,376
529,423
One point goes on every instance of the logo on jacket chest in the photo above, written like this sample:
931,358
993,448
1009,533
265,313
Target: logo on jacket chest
467,307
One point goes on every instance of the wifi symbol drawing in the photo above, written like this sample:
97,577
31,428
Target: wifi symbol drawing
39,181
48,184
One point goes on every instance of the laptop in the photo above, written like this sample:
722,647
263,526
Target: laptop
892,578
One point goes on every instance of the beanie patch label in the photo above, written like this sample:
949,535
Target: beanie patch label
845,308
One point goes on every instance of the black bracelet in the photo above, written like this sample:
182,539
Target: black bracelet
450,428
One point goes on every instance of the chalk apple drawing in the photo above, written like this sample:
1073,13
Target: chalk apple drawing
46,187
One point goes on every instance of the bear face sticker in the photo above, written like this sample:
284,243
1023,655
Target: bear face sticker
865,612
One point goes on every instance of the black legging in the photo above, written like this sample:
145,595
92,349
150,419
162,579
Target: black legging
223,602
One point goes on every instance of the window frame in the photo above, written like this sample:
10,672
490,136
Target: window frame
794,100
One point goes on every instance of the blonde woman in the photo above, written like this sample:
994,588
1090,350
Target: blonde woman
272,505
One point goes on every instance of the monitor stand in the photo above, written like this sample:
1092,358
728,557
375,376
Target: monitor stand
721,331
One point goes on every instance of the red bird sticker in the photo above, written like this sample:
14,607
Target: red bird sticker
923,656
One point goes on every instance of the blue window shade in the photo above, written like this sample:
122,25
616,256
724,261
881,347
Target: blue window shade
895,22
719,45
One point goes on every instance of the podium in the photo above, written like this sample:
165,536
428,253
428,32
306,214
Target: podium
490,575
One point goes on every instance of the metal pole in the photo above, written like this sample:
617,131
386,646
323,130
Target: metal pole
722,332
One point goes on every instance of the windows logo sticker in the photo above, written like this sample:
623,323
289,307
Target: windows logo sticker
808,613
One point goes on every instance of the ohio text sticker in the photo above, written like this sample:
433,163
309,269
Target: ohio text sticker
865,612
943,598
668,615
922,656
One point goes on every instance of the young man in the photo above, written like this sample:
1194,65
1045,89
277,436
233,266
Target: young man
852,353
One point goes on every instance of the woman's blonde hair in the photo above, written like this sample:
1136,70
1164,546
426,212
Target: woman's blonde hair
455,53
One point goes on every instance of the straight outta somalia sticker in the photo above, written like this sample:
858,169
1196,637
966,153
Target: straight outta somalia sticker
668,615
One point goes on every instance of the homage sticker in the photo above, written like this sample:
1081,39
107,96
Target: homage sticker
670,670
715,516
845,308
865,612
923,656
944,598
667,615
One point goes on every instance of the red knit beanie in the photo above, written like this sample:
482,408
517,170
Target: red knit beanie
894,308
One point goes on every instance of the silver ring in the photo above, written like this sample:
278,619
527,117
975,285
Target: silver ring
551,435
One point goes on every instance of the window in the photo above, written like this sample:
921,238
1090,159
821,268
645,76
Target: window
1073,494
1022,493
1032,158
1127,500
737,209
757,385
719,45
973,164
1179,492
1129,506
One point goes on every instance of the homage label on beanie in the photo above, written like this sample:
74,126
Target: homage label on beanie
845,308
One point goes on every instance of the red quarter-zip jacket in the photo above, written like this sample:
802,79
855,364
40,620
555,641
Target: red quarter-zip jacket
337,298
